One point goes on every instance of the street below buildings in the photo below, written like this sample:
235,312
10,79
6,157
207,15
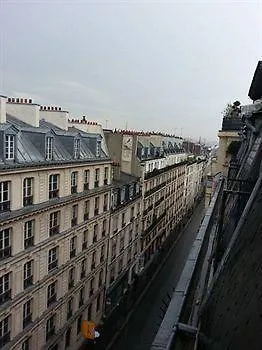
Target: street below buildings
147,315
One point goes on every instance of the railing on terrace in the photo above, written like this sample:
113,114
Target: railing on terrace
180,315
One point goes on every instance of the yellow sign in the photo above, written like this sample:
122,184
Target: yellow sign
88,329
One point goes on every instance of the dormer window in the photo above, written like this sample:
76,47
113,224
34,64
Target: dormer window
49,148
10,147
98,148
77,148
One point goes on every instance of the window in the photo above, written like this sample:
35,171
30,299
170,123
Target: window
115,224
83,268
73,247
5,288
53,186
85,239
89,312
50,327
106,176
122,241
93,265
123,220
27,313
26,344
102,255
95,233
113,249
9,147
120,265
71,278
91,290
29,230
79,324
68,337
104,228
112,274
28,191
97,175
81,296
86,179
132,214
53,258
51,293
54,223
28,274
74,182
49,148
105,202
4,331
100,279
98,300
86,210
4,196
69,308
74,215
96,210
5,243
77,148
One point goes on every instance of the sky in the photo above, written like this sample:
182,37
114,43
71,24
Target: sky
146,65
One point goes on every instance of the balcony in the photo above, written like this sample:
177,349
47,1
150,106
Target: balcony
54,230
27,320
73,189
28,201
86,186
50,333
52,265
5,253
51,300
28,282
54,194
4,339
74,221
4,206
4,297
29,242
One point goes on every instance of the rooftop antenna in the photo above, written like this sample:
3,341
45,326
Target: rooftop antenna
126,124
106,123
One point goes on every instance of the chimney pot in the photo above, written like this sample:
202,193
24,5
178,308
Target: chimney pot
30,100
25,100
17,100
60,108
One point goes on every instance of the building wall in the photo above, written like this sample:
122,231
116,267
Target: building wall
225,138
92,253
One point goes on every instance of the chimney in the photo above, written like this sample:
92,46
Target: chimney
24,110
2,109
55,115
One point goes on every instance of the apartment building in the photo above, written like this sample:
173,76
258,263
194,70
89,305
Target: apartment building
125,231
159,161
55,187
193,182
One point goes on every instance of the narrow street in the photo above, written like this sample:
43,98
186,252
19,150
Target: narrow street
146,318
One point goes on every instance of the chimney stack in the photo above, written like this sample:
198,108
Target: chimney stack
55,115
2,109
23,109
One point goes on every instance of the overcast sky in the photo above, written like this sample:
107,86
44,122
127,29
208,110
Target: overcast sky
154,65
